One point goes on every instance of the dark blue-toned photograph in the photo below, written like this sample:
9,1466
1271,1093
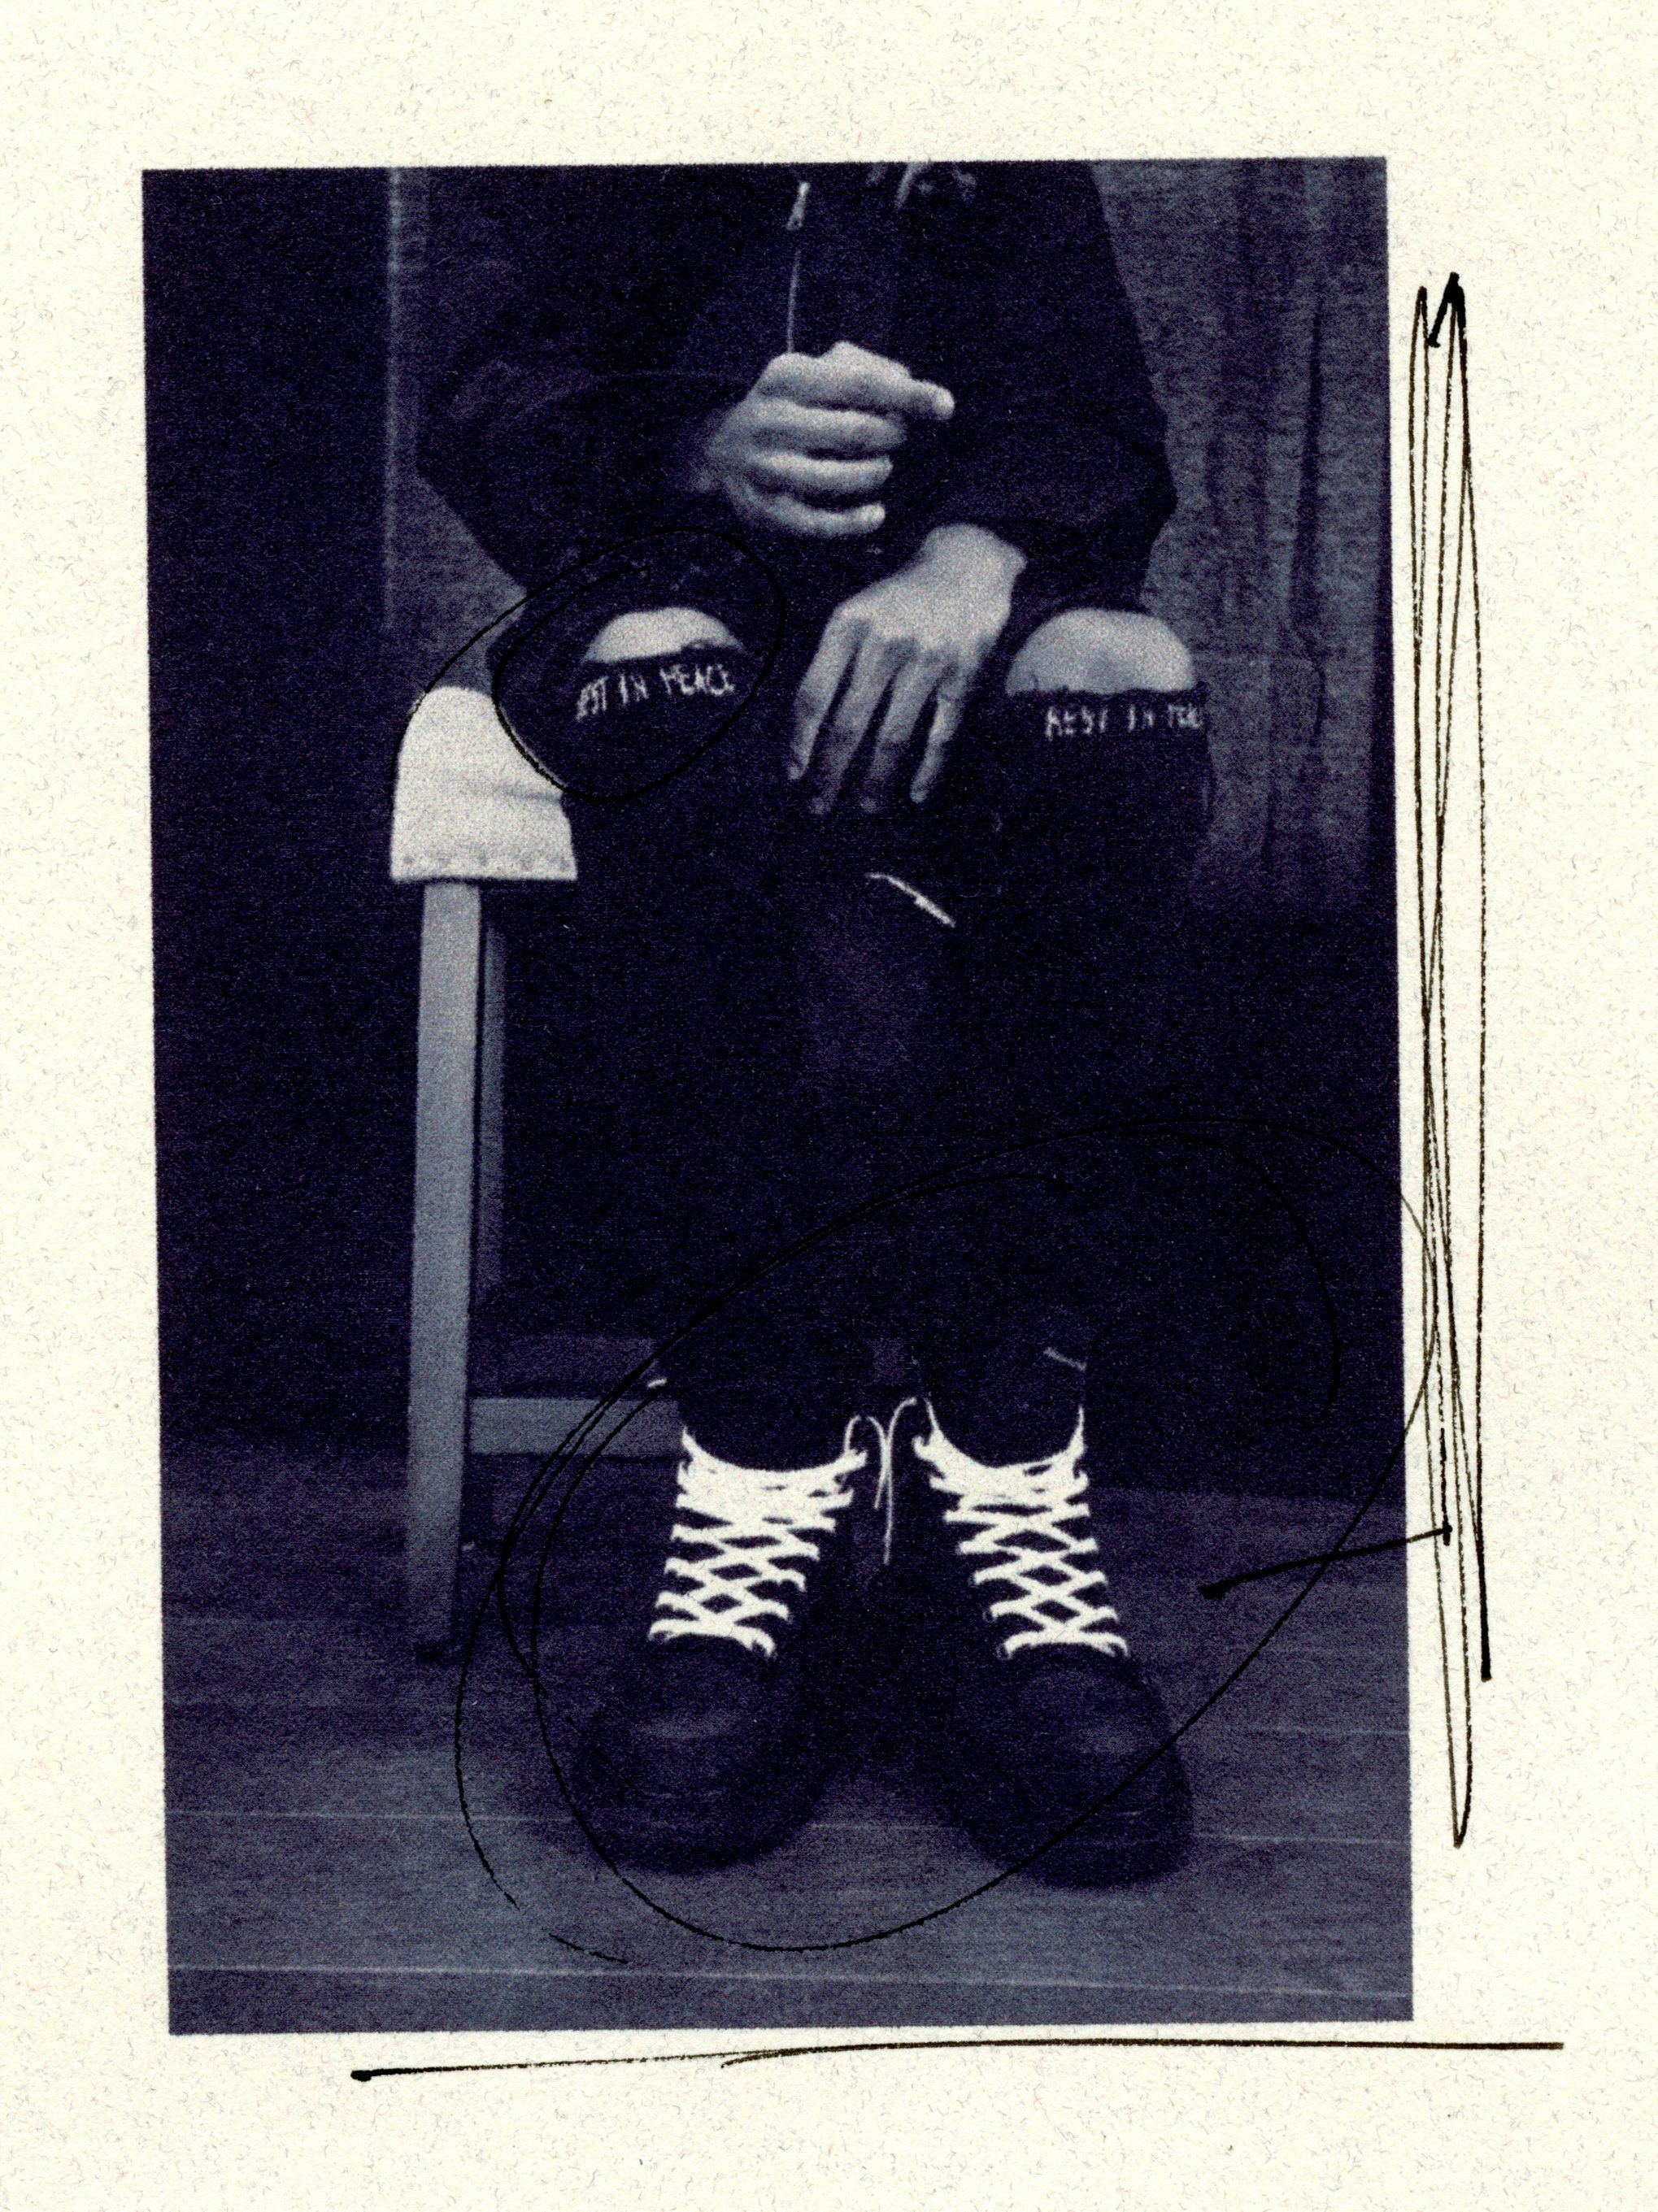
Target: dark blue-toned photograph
777,1091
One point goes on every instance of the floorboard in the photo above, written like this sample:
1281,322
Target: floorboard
321,1875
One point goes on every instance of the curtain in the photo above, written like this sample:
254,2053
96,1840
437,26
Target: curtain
1260,289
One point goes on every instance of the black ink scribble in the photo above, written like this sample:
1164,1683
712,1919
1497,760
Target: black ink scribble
540,608
1450,856
1318,1559
560,1476
1448,766
546,609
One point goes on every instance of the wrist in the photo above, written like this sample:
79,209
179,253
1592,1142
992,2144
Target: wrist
695,464
970,545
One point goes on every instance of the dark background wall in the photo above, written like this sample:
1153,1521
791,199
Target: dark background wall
284,992
281,674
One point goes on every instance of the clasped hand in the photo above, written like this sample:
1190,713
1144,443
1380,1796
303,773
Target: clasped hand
917,640
818,428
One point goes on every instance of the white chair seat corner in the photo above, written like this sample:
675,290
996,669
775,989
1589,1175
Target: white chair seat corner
468,806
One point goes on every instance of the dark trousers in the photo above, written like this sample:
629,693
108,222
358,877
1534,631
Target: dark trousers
880,1069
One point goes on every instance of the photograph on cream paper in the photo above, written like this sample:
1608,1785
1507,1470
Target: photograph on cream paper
777,1095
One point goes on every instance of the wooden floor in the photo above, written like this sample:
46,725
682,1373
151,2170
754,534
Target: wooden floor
322,1876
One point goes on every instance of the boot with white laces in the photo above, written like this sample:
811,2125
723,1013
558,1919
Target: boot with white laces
728,1720
1024,1707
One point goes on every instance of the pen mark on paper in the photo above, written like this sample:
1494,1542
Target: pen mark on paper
1318,1559
560,1476
1448,781
748,2057
1448,773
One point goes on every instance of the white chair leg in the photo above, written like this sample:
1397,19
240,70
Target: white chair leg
491,1112
441,1293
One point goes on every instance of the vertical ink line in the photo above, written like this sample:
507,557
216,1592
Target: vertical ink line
1484,887
1444,561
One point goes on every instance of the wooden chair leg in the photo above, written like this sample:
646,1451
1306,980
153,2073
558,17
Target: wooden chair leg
490,1271
440,1291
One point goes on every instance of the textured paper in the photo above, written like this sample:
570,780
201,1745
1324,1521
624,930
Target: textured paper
1515,157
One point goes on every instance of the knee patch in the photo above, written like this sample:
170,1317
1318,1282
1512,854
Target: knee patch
1056,721
619,729
1119,776
657,713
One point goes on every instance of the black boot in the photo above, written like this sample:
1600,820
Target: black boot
1024,1709
729,1718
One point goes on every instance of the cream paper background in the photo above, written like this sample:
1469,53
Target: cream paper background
1516,157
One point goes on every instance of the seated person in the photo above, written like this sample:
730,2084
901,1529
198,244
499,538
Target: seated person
834,490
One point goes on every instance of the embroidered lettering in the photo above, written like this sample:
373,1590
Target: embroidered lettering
593,698
706,680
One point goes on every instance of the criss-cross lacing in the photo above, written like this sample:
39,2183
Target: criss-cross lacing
741,1535
1023,1522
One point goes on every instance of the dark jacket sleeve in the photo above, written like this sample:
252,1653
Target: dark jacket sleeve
640,301
556,427
1058,444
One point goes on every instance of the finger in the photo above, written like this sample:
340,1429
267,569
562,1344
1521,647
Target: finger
947,720
925,403
871,671
910,694
786,424
836,649
818,479
787,513
856,378
917,397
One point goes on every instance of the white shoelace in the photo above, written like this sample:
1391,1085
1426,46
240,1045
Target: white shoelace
740,1531
1022,1521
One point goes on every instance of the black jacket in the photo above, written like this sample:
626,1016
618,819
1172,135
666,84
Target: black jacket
643,299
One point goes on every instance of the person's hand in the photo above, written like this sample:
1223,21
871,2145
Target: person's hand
818,428
915,640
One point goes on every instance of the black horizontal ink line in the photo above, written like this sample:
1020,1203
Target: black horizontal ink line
964,2043
1320,1559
